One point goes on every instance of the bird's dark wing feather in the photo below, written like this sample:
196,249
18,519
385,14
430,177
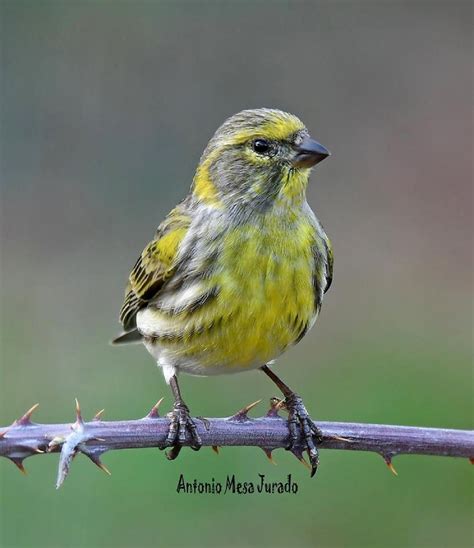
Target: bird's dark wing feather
154,267
329,263
323,267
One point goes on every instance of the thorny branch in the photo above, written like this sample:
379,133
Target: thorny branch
25,438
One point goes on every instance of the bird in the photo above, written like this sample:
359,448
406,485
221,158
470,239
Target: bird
237,271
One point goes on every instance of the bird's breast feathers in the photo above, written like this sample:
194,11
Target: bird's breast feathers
239,296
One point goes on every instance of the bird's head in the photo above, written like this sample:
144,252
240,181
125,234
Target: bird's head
256,158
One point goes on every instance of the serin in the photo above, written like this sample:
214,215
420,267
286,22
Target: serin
237,271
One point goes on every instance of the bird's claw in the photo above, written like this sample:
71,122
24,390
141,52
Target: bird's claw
180,426
312,435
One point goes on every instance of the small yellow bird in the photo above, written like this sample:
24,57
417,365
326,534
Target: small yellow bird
237,271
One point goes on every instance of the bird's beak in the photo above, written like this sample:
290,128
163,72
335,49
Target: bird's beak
309,153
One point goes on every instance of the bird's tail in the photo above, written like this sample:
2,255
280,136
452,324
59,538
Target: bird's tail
130,337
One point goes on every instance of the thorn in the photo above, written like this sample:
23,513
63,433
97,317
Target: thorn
215,448
153,414
25,420
96,460
268,453
305,464
388,461
78,412
242,414
98,415
339,438
298,453
19,464
275,405
392,468
104,468
55,442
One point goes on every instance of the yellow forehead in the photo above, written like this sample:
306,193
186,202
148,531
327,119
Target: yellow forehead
275,130
266,123
281,127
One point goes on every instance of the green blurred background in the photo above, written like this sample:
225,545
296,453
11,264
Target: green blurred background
106,107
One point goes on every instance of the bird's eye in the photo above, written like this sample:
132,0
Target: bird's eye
261,146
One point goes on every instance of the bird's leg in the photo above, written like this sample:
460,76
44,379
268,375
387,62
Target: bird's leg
181,424
297,414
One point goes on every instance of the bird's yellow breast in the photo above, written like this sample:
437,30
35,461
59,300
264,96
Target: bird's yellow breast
266,280
264,300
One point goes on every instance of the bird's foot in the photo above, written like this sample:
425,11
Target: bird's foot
181,426
311,434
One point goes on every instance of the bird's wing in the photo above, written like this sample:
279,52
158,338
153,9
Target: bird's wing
323,266
155,266
329,262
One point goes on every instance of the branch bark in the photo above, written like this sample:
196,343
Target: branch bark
25,438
